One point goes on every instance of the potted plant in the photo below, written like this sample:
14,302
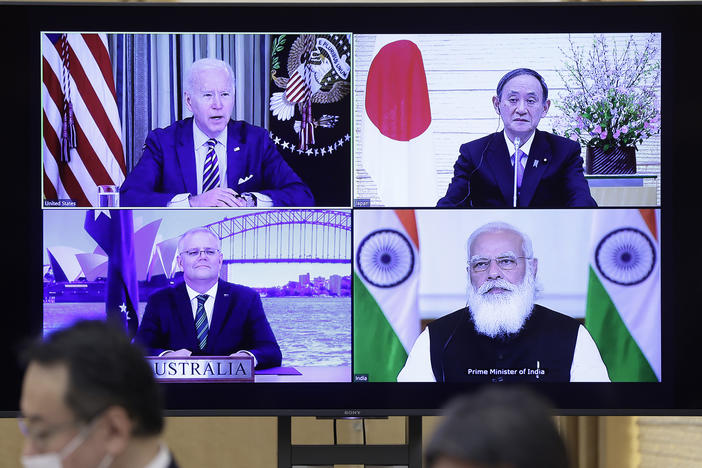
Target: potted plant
610,103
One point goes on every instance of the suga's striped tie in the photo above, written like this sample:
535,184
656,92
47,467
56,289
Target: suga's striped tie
201,325
210,173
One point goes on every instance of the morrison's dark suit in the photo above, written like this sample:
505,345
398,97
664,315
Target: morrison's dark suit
553,175
167,167
238,323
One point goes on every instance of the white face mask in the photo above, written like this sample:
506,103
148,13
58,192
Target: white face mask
55,459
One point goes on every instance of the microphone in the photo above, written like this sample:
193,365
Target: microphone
475,169
517,142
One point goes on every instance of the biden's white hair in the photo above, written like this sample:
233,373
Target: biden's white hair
199,66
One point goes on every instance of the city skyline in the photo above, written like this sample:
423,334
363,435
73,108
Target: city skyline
249,277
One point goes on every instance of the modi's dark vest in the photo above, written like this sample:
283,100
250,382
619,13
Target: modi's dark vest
541,352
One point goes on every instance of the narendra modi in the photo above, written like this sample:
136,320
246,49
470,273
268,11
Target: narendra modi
501,334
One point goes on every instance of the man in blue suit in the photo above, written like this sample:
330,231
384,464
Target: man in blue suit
209,159
89,399
550,172
205,315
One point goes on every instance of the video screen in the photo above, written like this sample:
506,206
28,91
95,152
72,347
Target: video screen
430,127
507,295
281,279
409,215
127,120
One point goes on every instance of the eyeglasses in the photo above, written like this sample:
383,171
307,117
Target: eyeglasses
194,253
40,437
505,262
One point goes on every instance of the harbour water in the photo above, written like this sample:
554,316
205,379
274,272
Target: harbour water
311,331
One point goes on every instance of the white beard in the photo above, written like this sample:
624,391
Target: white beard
504,313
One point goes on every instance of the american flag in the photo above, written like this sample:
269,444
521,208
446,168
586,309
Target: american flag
82,136
298,91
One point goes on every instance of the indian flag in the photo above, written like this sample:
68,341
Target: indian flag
624,293
385,283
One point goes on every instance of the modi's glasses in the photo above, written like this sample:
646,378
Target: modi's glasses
192,253
505,262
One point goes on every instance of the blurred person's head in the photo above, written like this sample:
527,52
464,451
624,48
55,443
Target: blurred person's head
89,399
497,427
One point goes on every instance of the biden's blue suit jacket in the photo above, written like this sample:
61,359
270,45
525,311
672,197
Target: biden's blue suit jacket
167,167
483,175
238,323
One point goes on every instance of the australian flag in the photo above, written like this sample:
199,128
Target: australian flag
113,230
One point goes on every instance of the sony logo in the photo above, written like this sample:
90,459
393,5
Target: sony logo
352,412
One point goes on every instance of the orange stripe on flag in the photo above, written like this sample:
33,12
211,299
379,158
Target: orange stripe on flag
409,221
649,217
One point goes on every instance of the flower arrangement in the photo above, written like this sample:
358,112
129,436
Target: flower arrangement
610,98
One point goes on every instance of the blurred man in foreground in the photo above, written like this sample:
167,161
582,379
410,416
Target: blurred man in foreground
89,399
497,428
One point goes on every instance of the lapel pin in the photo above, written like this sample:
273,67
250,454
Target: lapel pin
236,149
536,163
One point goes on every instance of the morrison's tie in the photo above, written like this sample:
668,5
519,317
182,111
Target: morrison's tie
210,173
520,168
201,325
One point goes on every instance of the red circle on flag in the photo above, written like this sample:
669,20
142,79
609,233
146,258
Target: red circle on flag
397,97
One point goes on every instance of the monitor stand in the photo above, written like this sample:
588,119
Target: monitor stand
409,454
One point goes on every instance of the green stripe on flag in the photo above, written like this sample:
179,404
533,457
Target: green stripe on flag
377,351
621,354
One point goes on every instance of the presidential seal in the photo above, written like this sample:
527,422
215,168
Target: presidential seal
318,76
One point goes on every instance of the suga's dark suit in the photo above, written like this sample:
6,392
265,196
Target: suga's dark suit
553,177
238,323
167,167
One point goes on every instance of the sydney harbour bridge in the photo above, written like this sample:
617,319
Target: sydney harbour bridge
273,236
286,236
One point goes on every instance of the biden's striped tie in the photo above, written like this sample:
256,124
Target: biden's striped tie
201,325
210,173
